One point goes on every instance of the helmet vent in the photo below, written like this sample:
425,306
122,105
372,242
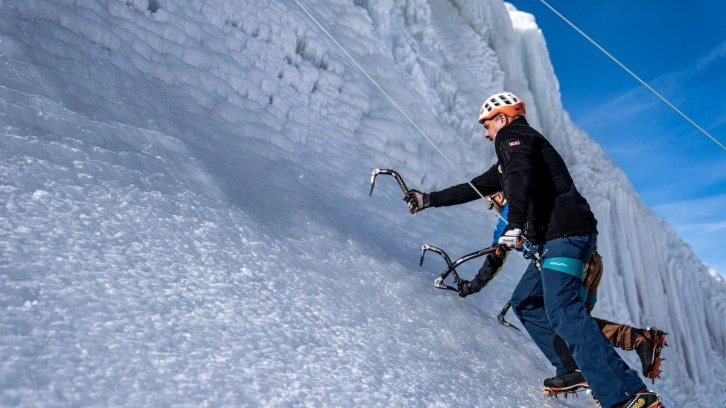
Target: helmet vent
503,102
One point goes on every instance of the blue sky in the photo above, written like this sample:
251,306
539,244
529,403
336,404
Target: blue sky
680,51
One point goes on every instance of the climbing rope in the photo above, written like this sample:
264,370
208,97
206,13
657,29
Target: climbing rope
393,102
621,65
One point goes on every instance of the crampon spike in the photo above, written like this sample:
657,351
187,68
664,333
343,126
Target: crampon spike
655,370
556,394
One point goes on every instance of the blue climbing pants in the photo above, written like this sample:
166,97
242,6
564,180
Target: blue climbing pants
548,304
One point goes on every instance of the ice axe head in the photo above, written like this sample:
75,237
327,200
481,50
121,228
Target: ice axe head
392,173
501,319
375,173
429,247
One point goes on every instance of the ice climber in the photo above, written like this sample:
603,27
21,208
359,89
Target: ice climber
647,342
546,208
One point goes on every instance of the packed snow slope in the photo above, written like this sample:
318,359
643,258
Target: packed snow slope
185,216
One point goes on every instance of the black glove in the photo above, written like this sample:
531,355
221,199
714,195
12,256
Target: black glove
466,288
488,270
416,200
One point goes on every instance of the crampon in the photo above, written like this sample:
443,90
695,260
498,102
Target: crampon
549,392
649,346
567,385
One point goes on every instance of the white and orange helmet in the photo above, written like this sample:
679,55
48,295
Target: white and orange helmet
503,102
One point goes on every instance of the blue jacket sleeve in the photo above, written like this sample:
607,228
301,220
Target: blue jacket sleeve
499,230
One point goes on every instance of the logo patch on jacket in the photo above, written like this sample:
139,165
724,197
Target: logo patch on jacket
514,143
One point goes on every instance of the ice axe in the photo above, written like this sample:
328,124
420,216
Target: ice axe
439,281
468,257
501,314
